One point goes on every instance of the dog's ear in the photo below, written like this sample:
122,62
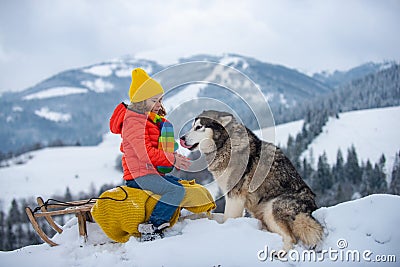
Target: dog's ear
225,120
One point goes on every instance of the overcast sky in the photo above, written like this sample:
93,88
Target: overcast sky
39,38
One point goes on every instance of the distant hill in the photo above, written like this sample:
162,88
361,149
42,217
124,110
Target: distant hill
74,106
340,78
375,90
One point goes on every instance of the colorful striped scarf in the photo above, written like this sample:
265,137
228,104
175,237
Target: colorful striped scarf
166,141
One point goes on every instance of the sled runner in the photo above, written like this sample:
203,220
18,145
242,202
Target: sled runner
80,208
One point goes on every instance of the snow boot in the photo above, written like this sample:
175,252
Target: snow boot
149,232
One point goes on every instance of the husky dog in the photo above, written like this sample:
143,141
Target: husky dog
255,175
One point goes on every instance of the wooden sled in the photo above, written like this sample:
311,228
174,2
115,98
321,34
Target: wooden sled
80,208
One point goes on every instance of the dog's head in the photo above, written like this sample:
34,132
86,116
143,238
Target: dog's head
209,131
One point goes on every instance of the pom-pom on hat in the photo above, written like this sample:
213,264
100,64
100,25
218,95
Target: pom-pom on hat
143,86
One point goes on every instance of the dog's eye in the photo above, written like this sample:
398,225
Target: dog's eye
198,127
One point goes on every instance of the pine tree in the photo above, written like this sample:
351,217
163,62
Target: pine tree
2,230
366,187
92,190
323,179
14,215
338,169
298,149
373,179
11,239
289,152
33,237
352,168
339,194
395,183
382,162
20,236
379,184
306,170
67,195
24,204
379,178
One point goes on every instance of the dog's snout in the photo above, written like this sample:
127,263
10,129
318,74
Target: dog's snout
183,138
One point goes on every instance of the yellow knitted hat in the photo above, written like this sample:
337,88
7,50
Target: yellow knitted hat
143,87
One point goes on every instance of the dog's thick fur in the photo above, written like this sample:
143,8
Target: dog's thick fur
255,175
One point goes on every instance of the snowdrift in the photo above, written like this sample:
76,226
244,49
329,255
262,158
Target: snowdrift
362,232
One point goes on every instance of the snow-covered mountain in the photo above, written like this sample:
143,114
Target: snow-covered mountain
73,107
339,78
363,232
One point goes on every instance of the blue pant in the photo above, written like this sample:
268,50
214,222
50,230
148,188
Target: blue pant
170,190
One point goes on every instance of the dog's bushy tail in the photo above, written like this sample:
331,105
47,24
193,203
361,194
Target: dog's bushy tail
308,230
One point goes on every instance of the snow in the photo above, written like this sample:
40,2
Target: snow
122,67
234,61
282,132
55,92
47,114
223,75
100,70
283,100
98,85
17,109
220,73
268,96
373,132
51,170
386,65
366,227
324,73
190,92
125,70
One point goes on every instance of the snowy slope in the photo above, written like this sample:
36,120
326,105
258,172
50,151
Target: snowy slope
55,92
51,170
366,227
282,132
373,132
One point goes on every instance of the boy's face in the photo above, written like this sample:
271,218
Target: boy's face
154,103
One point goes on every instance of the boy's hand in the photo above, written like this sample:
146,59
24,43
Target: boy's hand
182,162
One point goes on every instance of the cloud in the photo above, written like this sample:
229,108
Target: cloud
44,37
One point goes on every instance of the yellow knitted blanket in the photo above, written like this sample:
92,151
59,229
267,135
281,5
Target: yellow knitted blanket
120,219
